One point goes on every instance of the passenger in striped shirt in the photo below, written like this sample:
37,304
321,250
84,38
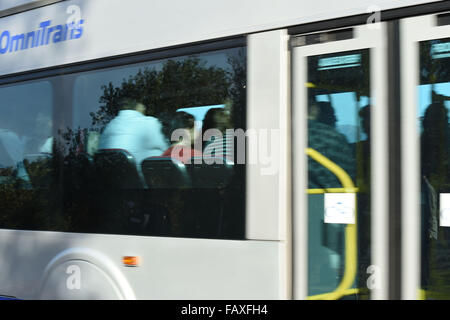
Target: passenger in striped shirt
219,144
324,138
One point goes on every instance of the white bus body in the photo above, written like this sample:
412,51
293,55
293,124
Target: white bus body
269,262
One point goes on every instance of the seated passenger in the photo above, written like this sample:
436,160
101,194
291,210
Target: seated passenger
12,153
223,146
182,127
134,132
11,148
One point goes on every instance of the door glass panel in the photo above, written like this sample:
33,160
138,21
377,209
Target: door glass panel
339,174
434,104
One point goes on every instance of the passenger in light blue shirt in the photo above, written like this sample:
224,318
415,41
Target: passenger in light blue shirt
12,153
11,148
131,130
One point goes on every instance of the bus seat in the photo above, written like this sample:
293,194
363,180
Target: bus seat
39,168
78,171
210,177
216,175
165,173
116,169
118,191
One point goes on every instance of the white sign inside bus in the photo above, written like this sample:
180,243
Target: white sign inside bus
339,208
440,50
347,61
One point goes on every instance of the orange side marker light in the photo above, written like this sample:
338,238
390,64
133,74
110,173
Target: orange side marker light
130,261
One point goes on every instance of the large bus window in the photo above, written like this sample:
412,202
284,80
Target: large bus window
338,137
434,106
128,150
136,153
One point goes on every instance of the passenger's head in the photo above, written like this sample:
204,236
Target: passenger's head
323,112
185,121
216,118
132,104
326,113
434,145
435,118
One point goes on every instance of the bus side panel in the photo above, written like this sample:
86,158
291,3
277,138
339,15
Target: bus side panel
169,268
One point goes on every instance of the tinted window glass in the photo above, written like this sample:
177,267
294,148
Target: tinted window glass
131,151
339,129
433,121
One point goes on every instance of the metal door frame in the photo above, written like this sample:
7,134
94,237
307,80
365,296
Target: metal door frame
412,30
365,36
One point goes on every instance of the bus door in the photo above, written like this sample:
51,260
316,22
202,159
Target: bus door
339,162
425,53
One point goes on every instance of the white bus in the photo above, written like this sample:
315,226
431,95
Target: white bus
336,178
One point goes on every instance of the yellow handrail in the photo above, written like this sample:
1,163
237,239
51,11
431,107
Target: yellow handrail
332,190
344,287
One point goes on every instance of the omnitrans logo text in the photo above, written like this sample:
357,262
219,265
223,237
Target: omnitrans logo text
45,35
